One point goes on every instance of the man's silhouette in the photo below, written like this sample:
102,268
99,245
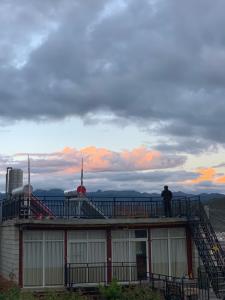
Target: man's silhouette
167,198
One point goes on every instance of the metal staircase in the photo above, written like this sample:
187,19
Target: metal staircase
91,210
34,207
39,208
209,248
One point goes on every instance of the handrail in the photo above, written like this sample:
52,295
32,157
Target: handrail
209,248
85,208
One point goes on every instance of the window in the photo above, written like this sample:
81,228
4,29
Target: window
169,255
87,251
43,258
140,234
129,255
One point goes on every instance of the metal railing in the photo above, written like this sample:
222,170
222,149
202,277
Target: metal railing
127,273
95,208
180,288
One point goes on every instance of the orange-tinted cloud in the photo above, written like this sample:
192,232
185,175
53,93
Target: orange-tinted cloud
101,159
68,160
207,174
220,180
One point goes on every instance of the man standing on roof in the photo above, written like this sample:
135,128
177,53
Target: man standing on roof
167,198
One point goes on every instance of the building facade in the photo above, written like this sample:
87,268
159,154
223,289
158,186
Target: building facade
126,240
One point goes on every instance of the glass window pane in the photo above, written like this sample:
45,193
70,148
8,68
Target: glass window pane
32,235
160,259
96,252
120,234
159,233
77,235
54,263
120,254
78,252
96,259
120,251
178,257
96,234
140,233
33,263
54,235
177,232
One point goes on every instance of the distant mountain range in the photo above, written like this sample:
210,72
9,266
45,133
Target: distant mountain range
129,193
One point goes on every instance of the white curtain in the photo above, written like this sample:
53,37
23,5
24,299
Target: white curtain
43,258
78,255
120,251
120,254
78,252
178,257
160,257
97,258
33,263
169,253
89,257
54,263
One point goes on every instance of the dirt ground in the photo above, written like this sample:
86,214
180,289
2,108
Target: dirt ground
5,284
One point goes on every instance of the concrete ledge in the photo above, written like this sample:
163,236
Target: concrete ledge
115,222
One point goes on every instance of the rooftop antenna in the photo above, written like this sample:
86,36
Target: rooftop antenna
81,190
28,166
82,172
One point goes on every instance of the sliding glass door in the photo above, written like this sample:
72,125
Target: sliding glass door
43,258
169,254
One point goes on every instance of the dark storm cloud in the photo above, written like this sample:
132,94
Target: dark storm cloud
150,176
193,145
161,64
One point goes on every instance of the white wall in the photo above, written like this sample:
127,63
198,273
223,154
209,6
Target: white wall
9,251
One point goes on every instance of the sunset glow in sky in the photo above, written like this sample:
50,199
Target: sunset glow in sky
136,88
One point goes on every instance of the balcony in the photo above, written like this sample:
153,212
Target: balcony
95,208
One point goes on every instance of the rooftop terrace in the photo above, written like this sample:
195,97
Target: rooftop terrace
39,208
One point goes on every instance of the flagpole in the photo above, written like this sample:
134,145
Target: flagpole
82,172
29,191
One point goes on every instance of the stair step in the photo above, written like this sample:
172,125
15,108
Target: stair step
209,249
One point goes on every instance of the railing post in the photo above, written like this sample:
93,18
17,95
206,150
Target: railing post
182,288
207,288
157,209
166,288
68,276
65,276
153,281
180,207
109,256
19,207
114,207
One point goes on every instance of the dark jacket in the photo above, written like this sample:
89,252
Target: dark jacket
167,195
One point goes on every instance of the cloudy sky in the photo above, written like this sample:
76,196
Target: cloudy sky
136,87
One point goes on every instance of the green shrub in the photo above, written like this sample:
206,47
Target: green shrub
15,294
11,294
111,292
116,292
139,293
27,296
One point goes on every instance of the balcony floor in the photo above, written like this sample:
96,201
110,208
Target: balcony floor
98,223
